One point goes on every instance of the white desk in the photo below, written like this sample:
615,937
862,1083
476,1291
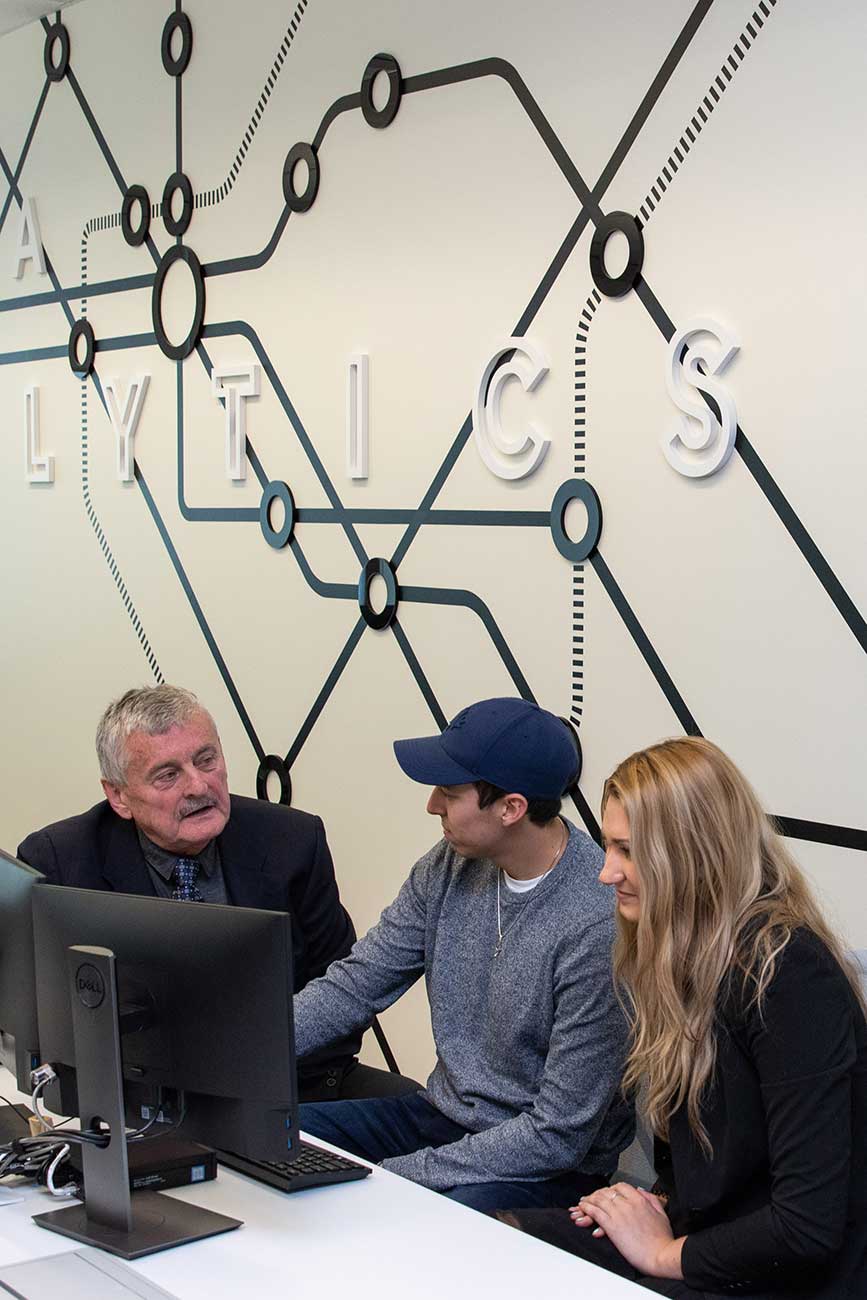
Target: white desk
381,1238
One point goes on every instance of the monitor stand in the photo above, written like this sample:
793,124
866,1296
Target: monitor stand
128,1224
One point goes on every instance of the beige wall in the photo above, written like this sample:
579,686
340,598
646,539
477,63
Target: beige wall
425,245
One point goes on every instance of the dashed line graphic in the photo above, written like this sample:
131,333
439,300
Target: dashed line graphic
585,320
106,549
209,197
700,118
108,222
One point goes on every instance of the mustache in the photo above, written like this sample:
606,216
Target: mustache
196,805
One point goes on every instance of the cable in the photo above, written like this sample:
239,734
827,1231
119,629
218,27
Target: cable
140,1135
143,1133
45,1074
62,1122
40,1079
37,1098
41,1166
140,1132
80,1139
69,1189
41,1155
26,1162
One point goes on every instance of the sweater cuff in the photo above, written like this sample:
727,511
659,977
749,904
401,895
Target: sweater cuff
412,1166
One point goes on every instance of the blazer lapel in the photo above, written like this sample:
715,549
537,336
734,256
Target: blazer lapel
242,861
125,869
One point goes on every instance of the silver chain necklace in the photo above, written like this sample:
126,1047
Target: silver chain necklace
501,933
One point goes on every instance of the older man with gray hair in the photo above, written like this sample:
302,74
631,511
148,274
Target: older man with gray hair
169,827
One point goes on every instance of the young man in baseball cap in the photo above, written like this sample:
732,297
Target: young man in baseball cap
507,921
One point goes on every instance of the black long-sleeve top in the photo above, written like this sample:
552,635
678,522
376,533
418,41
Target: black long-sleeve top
781,1207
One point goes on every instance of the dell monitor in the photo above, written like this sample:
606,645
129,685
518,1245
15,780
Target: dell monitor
17,986
187,1006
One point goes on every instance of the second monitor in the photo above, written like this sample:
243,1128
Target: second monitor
192,1004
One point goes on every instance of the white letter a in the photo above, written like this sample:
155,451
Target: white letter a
29,240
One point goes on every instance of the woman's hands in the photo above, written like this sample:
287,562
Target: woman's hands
636,1223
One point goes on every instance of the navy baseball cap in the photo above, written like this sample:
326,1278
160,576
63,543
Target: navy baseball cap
509,742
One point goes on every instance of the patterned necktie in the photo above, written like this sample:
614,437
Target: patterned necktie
184,880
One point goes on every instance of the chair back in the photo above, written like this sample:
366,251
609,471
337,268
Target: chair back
860,957
636,1162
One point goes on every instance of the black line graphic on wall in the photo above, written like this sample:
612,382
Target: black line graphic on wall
426,514
700,118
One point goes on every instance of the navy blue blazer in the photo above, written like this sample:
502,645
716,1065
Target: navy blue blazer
271,856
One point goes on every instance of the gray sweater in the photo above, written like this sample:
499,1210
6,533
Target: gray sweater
530,1044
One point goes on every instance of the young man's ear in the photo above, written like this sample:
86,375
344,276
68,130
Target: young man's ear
114,795
515,808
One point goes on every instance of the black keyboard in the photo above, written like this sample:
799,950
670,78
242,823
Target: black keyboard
312,1167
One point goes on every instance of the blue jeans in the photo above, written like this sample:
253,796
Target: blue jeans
378,1127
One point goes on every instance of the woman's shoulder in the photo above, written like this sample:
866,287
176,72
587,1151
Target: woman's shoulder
805,953
805,972
807,1008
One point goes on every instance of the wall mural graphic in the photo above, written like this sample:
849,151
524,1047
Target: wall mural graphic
703,432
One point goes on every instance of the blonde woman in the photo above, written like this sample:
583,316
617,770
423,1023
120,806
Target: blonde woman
749,1032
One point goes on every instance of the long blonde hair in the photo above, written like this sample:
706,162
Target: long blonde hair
719,894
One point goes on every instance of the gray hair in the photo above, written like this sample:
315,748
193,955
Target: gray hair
151,709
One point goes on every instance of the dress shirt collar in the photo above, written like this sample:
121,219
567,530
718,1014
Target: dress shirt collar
164,863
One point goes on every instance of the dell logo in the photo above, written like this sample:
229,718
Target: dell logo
90,986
